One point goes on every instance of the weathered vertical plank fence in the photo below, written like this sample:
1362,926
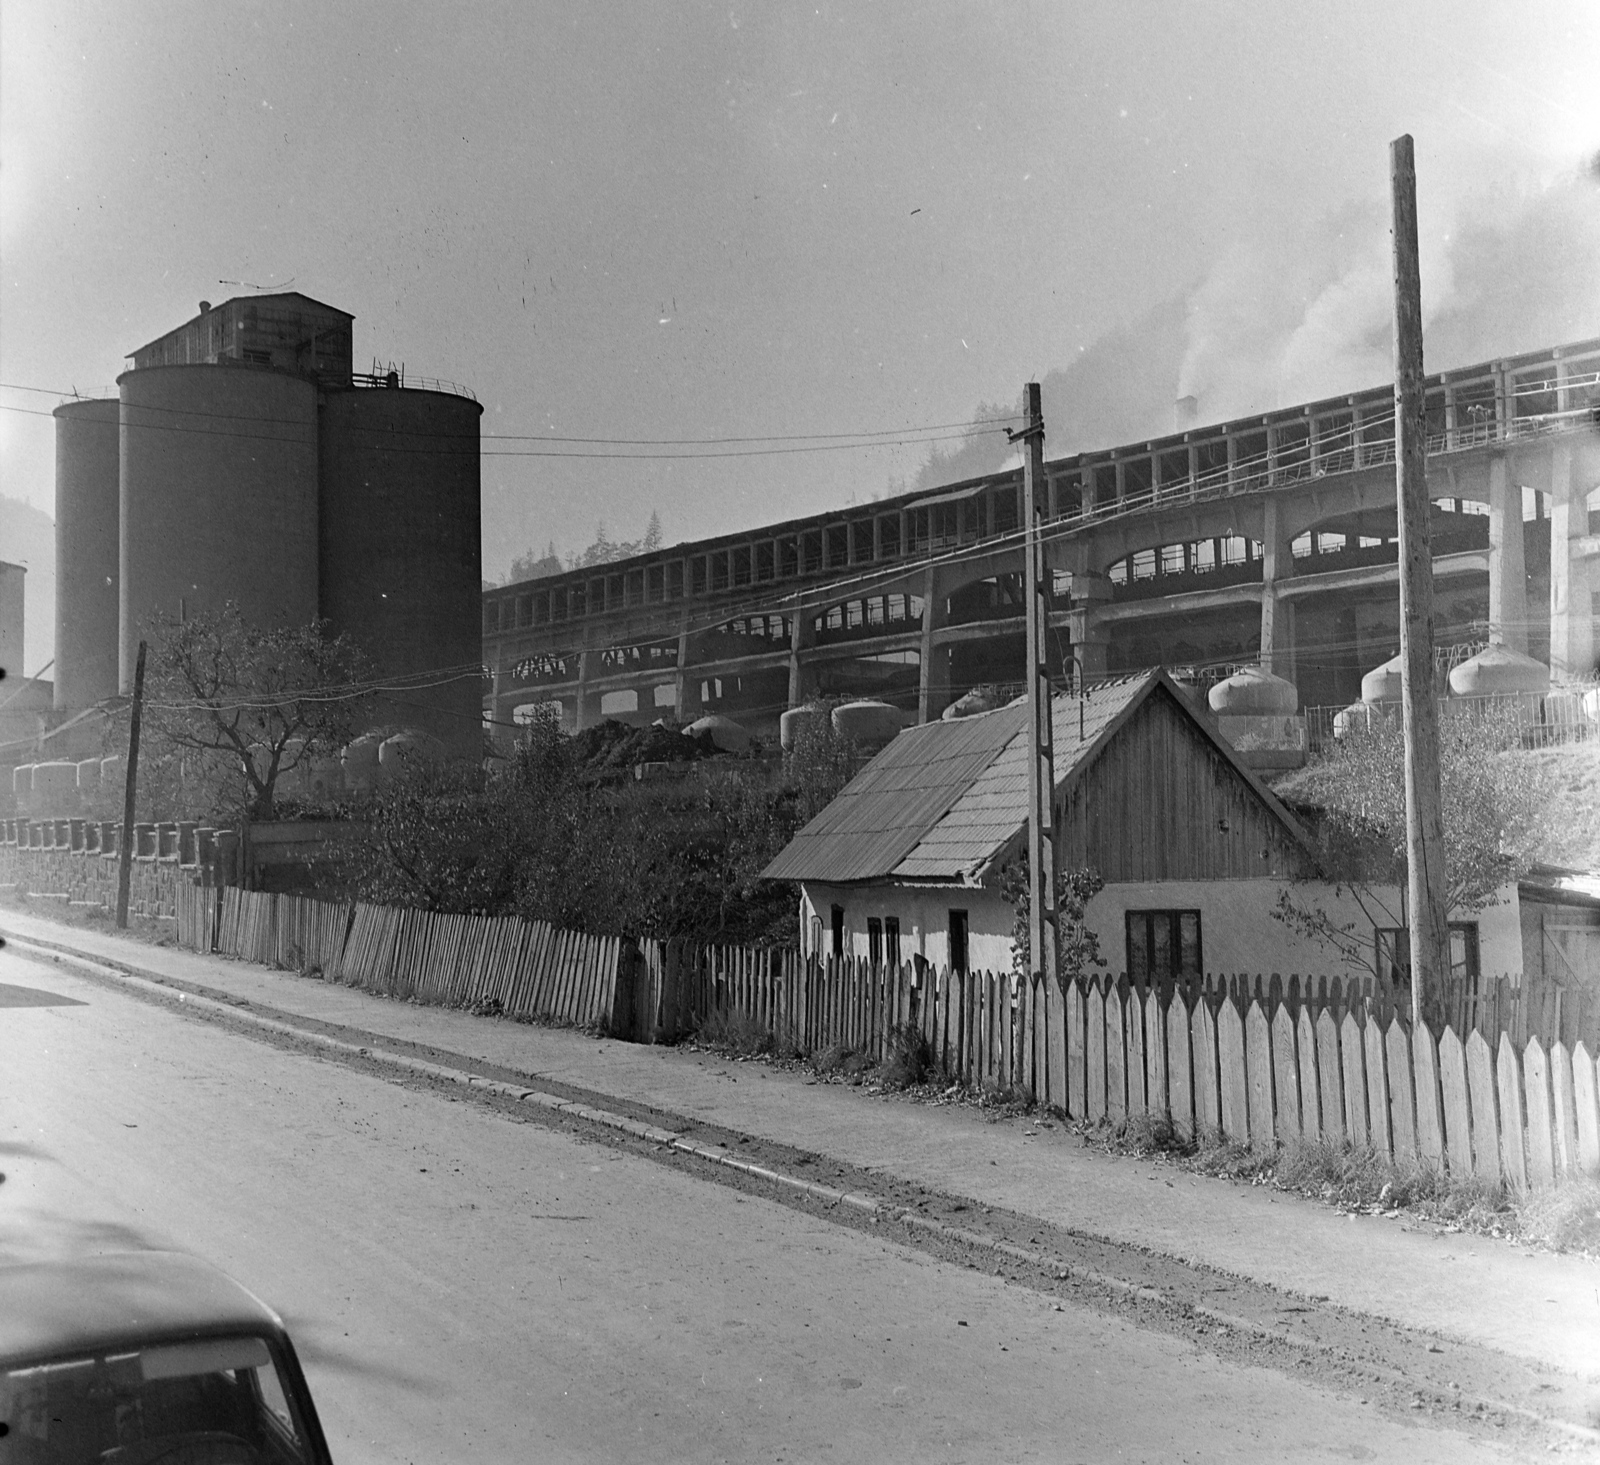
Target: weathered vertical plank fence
1258,1062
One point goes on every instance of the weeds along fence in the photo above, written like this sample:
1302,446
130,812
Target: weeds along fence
502,963
1255,1062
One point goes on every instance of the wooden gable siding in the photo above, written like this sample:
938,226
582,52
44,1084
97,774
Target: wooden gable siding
1151,807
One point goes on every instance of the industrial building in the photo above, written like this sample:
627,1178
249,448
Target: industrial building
245,460
1268,540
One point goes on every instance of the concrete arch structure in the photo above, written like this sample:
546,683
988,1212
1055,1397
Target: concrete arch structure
1495,429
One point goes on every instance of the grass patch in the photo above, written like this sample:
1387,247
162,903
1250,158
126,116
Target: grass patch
737,1033
1564,1219
908,1059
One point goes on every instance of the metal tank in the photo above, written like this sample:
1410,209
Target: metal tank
402,558
87,550
55,790
218,497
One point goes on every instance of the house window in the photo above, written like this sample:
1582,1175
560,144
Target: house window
1163,944
1394,953
838,930
891,939
874,940
958,941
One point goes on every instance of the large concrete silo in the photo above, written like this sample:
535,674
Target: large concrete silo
87,551
402,559
218,497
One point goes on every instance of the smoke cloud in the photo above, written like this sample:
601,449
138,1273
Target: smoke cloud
1303,309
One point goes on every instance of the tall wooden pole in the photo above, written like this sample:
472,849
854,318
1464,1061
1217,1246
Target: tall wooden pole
1041,761
130,789
1425,858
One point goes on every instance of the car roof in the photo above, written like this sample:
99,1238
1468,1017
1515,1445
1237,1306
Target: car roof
120,1300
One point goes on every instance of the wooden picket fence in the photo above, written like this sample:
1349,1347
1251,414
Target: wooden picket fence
1254,1061
498,963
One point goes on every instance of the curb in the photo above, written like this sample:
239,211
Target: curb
876,1210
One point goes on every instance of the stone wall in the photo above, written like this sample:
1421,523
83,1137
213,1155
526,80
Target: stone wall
76,860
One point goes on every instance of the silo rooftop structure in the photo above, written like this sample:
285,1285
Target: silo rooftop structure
288,331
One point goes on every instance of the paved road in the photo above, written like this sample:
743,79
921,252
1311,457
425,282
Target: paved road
468,1287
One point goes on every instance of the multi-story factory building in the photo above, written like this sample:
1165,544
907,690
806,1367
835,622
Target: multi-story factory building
1269,539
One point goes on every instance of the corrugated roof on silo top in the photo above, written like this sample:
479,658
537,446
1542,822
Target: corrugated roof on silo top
988,815
882,813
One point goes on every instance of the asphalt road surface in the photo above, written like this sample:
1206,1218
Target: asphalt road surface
465,1286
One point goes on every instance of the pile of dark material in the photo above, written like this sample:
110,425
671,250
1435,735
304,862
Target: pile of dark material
613,748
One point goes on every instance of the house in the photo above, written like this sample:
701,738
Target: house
1194,850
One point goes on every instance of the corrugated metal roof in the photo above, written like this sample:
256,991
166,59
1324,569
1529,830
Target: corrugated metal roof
988,815
942,801
889,806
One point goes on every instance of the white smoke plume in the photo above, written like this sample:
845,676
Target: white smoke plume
1303,309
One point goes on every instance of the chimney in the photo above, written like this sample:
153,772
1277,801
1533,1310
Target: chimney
1185,413
205,305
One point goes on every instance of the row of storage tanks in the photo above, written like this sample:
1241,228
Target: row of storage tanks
60,790
1495,672
299,501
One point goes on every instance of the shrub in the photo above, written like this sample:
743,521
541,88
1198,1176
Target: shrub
736,1032
908,1058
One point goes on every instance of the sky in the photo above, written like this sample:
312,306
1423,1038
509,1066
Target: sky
646,225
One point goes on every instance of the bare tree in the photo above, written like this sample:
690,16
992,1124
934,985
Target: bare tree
1496,803
241,705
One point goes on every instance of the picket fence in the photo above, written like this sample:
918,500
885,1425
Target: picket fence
1254,1061
501,963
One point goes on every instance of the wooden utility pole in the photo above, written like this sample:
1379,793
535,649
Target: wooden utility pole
130,788
1041,761
1425,858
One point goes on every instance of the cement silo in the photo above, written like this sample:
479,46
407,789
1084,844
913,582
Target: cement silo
401,557
218,497
87,489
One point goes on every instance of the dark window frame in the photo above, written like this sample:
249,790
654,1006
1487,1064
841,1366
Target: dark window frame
836,921
1157,947
875,940
891,940
1392,953
960,938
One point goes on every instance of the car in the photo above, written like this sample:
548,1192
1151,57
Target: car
147,1358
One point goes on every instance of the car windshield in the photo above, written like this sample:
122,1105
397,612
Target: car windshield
217,1401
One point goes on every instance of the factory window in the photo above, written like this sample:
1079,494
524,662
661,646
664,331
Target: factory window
889,535
612,703
665,695
1163,944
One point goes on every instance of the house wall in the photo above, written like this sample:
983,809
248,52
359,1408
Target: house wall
1238,930
924,915
1160,802
1561,943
